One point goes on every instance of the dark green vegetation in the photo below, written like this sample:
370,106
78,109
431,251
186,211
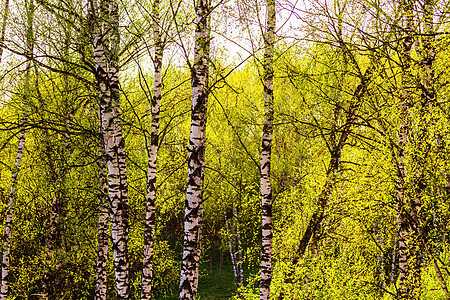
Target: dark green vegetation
213,287
360,165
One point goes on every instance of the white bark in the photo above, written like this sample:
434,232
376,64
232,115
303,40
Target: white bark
103,224
196,162
98,45
116,162
107,73
150,218
266,189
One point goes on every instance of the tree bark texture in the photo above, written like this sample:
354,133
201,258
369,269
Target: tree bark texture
107,74
103,222
150,217
266,189
196,161
116,161
409,254
103,92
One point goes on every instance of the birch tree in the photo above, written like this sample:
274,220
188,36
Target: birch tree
107,74
116,160
150,218
196,162
103,224
98,44
29,40
266,189
409,258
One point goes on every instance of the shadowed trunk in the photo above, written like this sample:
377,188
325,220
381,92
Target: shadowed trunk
150,218
103,222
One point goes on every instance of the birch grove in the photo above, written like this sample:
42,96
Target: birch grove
323,173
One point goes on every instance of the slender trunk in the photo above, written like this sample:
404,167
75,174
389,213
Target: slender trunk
239,257
234,245
107,75
103,224
266,189
393,260
10,210
313,230
20,149
381,260
98,45
441,278
116,161
316,218
409,256
196,161
152,157
232,248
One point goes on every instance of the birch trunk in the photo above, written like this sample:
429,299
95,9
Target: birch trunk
20,147
234,245
239,256
266,189
11,204
103,224
232,248
107,74
98,45
116,161
196,161
150,218
409,259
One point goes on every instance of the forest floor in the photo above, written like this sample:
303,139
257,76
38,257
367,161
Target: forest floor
212,287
